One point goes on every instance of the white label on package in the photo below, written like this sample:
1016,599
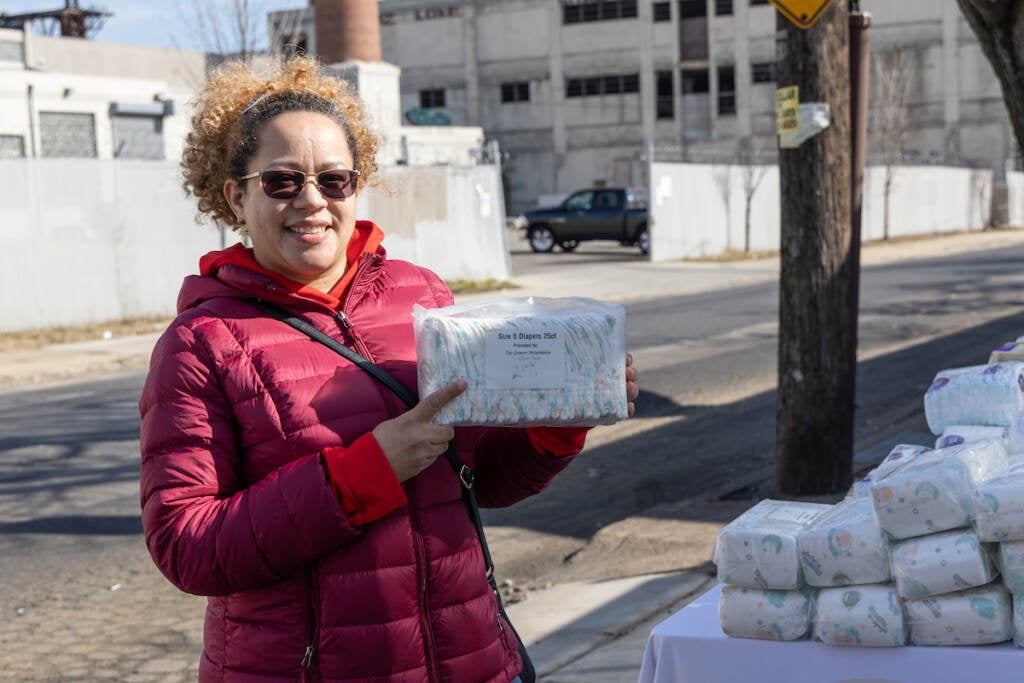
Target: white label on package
525,359
792,514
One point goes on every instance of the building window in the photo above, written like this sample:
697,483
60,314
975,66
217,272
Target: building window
515,92
11,52
723,8
763,72
692,9
432,98
596,10
138,137
726,91
665,103
758,2
63,134
696,81
12,146
294,44
662,11
602,85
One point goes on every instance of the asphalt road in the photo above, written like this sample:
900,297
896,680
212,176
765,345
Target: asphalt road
69,526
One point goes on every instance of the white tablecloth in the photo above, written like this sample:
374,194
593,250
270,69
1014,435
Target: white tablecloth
689,647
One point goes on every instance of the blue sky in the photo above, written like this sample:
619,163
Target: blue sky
158,23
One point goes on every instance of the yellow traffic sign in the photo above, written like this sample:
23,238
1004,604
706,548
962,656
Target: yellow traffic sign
803,13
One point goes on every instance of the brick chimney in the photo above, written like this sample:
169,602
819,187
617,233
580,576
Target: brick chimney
347,29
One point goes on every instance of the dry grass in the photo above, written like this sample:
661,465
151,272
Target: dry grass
32,339
477,286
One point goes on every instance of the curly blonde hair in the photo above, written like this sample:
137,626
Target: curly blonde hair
237,99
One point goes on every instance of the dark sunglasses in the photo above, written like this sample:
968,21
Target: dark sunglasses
338,183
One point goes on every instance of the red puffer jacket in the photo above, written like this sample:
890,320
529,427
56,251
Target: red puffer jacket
236,413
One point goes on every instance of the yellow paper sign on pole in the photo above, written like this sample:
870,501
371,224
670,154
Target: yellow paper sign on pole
787,101
803,13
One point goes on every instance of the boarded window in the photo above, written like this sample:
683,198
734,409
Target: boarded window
12,146
63,134
138,137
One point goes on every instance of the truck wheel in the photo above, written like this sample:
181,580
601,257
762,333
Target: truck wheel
643,240
568,245
542,240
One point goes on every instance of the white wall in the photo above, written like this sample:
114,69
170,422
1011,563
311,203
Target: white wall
1015,199
88,240
698,209
70,93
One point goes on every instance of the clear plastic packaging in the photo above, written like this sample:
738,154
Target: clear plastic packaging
1011,565
765,614
977,616
844,546
1018,620
932,493
954,435
998,505
941,563
529,361
991,395
900,455
868,616
758,549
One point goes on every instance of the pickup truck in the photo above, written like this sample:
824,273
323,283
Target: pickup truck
603,213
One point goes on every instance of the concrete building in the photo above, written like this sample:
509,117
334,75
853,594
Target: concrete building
70,97
575,89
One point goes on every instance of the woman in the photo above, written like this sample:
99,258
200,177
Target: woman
284,482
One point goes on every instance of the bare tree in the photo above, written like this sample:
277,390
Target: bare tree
723,181
237,29
999,25
891,117
753,172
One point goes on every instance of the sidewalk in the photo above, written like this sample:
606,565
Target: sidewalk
576,631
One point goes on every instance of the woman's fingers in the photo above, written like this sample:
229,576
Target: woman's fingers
411,442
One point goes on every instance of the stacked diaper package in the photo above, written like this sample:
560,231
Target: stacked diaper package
529,361
928,549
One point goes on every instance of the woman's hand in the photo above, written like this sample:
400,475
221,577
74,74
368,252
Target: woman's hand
632,387
411,442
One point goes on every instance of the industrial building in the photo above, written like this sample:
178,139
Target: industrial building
575,90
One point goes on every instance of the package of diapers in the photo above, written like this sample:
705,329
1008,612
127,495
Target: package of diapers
1018,620
1010,559
870,616
977,616
844,546
765,614
758,548
998,505
954,435
529,361
941,563
933,492
900,455
990,395
1010,351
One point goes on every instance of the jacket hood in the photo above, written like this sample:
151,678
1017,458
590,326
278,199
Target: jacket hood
234,272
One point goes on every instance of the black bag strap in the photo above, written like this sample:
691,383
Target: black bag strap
463,471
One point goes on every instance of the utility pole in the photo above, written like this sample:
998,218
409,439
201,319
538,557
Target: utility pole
819,265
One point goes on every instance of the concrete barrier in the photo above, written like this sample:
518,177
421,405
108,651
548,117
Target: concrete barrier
699,209
87,240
